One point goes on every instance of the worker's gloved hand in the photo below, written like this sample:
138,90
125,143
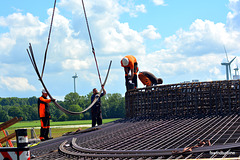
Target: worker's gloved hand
53,100
97,96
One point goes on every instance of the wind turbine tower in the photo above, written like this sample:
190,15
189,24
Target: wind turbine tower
236,76
228,65
74,78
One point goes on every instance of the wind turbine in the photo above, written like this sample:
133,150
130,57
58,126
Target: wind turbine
74,77
228,65
236,76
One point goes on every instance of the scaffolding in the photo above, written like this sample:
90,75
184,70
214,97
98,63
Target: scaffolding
184,100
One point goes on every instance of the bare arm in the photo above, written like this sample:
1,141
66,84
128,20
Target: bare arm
104,91
132,74
126,70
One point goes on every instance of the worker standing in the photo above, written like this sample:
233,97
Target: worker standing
44,115
149,79
96,108
130,64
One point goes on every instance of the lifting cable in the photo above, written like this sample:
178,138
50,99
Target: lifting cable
31,56
33,61
90,37
50,30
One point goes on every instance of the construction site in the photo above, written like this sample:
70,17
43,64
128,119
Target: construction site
161,121
190,120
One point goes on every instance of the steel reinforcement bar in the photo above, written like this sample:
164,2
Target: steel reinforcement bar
196,99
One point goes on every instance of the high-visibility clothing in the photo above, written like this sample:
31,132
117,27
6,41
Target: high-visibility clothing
43,107
147,78
131,65
44,114
45,125
132,60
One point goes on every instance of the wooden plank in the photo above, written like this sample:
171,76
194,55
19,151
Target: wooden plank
8,137
10,123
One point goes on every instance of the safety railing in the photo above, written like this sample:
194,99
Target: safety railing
21,152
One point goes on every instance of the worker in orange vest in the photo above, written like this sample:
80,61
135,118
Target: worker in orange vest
44,115
130,65
149,79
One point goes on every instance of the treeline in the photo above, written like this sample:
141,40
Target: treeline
113,106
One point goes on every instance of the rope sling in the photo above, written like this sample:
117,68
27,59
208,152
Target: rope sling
90,37
33,61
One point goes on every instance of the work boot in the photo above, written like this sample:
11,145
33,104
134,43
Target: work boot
48,138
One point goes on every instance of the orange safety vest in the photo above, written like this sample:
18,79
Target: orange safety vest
132,64
43,107
132,60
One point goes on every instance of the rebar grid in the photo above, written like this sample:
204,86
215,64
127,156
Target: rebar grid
167,118
184,100
161,140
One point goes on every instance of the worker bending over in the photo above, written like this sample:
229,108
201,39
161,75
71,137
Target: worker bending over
149,79
130,65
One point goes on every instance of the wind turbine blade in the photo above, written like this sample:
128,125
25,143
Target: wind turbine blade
232,60
226,52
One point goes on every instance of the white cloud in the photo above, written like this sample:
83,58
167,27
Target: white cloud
141,8
21,29
16,84
159,2
138,8
117,35
6,44
75,64
233,18
195,53
203,37
174,67
109,34
150,32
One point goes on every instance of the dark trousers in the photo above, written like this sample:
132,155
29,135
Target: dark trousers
96,118
45,125
134,80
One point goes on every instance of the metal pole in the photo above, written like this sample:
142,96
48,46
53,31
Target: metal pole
74,77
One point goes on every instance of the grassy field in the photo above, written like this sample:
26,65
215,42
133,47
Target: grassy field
56,132
30,124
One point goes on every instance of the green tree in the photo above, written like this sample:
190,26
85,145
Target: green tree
5,101
32,100
63,117
75,108
15,112
72,98
116,107
3,116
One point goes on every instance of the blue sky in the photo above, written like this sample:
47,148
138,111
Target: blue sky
175,40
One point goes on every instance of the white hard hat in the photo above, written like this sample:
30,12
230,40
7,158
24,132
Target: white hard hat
44,91
125,61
